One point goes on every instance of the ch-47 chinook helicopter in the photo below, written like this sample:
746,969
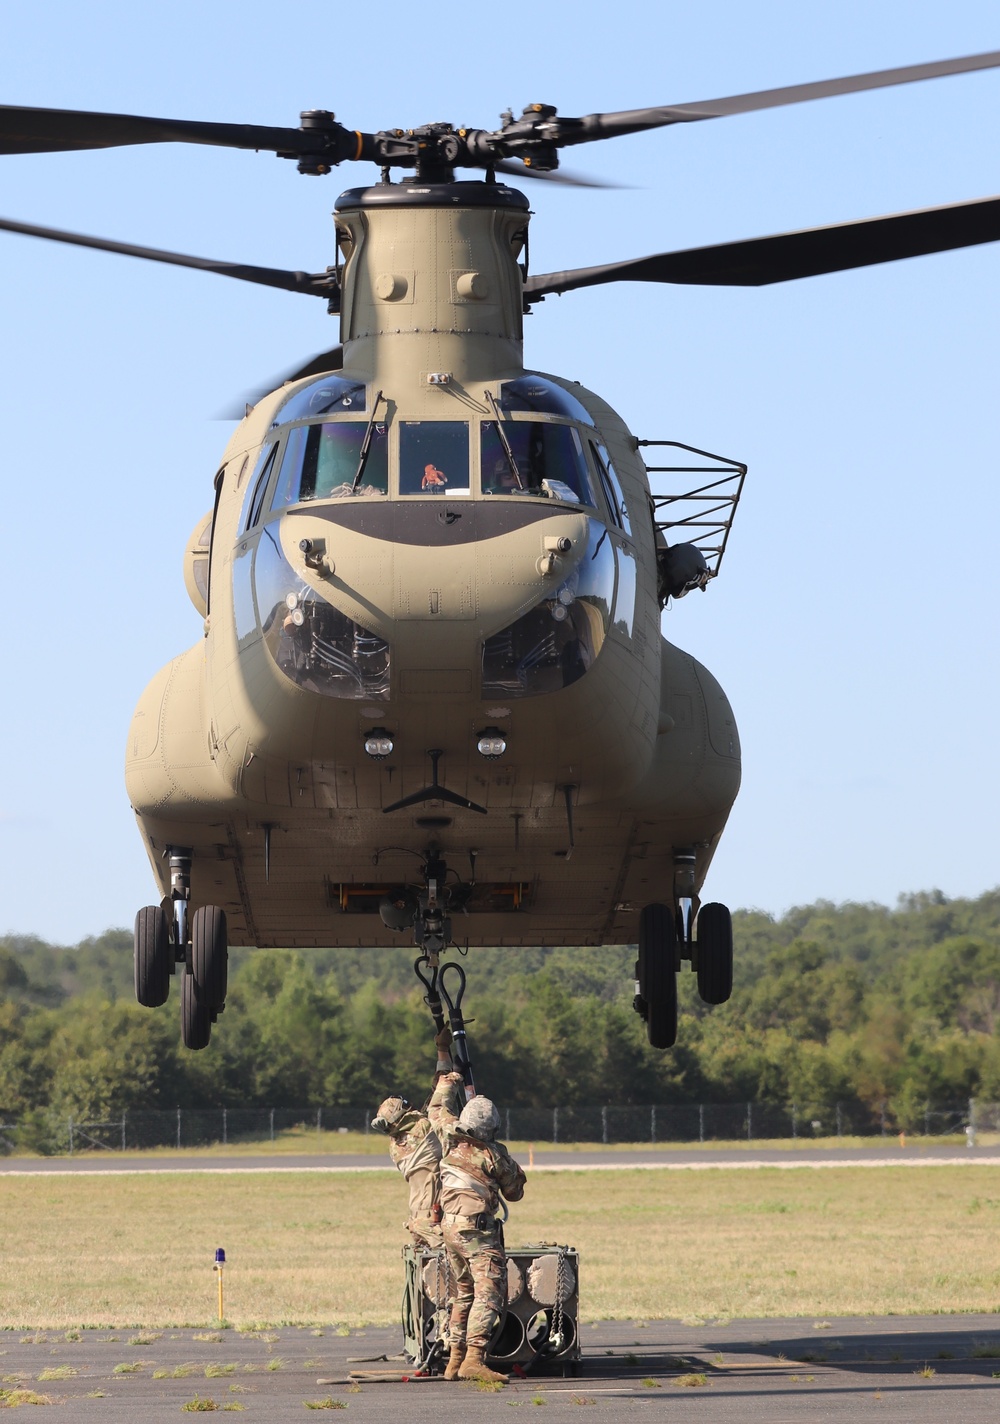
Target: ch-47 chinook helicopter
431,585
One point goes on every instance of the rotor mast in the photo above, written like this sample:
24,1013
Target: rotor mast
432,284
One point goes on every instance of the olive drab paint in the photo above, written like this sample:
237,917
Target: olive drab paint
330,612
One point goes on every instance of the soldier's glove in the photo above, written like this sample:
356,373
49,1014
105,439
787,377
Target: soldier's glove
442,1041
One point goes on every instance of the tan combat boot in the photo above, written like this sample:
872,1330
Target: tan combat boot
454,1362
474,1367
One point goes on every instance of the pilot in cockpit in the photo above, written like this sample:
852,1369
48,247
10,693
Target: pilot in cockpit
501,480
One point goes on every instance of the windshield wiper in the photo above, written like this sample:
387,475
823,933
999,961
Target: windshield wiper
503,439
366,445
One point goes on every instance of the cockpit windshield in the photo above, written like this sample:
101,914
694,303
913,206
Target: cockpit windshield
536,393
434,457
322,462
535,457
329,395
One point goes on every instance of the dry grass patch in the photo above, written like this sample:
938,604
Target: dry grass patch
307,1248
14,1398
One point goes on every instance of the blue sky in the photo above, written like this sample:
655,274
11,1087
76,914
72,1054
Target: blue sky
854,622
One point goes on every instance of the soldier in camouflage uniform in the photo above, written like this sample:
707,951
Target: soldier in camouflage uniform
415,1149
475,1171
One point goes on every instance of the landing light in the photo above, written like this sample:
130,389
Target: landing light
378,744
492,743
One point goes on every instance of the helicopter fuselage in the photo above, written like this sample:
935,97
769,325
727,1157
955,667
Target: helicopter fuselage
450,561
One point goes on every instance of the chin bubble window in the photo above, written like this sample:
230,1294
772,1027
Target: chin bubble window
434,457
315,645
329,461
554,644
534,457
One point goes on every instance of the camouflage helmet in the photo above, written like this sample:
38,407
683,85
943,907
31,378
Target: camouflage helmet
479,1118
390,1111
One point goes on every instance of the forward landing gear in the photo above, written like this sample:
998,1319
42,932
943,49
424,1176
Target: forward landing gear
714,961
154,957
665,939
165,937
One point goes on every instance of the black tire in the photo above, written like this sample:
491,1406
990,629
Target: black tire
715,953
196,1016
210,955
658,973
153,957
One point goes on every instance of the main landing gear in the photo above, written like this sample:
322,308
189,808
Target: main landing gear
667,936
166,936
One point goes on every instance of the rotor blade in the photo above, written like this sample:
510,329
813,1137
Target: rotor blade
314,285
558,175
28,130
332,360
790,255
628,121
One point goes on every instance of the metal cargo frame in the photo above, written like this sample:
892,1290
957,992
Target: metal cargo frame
532,1334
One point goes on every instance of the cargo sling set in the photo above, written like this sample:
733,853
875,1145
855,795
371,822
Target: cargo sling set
541,1324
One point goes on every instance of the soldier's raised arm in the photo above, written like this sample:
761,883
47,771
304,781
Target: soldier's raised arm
445,1099
442,1042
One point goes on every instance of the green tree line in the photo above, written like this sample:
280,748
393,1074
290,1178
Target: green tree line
858,1004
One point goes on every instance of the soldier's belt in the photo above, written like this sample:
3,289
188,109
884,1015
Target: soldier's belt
483,1222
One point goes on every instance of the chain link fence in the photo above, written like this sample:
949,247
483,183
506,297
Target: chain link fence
653,1123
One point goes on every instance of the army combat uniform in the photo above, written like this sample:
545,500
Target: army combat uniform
415,1149
474,1174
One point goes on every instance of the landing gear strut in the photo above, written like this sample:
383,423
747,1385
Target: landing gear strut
165,936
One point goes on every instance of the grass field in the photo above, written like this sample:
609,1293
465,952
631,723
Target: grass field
119,1251
302,1141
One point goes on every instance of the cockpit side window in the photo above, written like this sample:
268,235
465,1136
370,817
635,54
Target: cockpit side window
257,489
434,457
219,481
612,487
549,459
322,462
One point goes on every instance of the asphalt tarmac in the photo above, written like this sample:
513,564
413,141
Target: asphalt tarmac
908,1369
883,1154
